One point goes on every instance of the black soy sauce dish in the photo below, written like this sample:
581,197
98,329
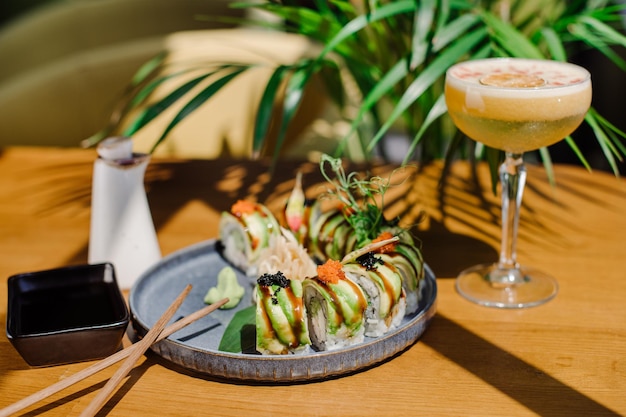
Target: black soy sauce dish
66,315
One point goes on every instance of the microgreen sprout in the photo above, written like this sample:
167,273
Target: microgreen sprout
359,198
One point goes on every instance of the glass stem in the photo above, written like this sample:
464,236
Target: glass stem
512,179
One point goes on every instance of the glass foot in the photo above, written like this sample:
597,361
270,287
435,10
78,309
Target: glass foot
492,286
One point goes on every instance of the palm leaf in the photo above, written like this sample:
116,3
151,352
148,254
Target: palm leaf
428,77
582,32
148,69
547,164
436,111
421,28
577,152
453,30
554,43
397,73
153,111
307,21
360,22
612,131
197,101
509,38
605,144
293,97
266,108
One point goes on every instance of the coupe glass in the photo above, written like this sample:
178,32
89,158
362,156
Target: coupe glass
516,105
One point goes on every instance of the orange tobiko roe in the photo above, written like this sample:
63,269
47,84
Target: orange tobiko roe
389,247
330,272
243,207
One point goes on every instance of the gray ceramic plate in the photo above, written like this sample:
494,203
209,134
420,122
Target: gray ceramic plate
196,346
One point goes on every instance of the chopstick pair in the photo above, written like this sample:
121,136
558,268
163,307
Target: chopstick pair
131,353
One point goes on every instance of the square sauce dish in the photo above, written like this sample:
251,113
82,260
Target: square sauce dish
66,315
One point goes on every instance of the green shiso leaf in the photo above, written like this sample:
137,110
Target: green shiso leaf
239,335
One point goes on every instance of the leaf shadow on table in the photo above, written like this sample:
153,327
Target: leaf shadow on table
519,380
219,183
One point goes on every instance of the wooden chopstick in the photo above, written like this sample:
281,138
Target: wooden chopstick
105,363
127,365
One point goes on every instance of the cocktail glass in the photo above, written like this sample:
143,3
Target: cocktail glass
515,105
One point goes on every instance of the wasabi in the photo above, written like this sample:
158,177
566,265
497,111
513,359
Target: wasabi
227,286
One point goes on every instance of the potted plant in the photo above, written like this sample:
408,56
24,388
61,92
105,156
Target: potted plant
396,53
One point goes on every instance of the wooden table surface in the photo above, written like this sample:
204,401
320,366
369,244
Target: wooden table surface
565,358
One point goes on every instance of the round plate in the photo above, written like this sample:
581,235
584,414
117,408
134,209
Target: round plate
196,346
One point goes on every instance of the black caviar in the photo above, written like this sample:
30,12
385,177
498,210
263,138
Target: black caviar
369,261
267,280
278,279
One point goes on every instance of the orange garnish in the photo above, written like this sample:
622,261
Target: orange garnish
513,80
243,207
330,272
390,247
345,209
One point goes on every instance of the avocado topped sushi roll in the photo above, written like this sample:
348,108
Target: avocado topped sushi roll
382,283
281,324
335,308
245,231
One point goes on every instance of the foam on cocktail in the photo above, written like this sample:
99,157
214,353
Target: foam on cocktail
555,75
516,104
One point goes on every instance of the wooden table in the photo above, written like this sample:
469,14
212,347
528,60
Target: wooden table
567,357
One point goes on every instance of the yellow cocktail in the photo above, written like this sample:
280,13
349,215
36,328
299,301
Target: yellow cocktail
515,105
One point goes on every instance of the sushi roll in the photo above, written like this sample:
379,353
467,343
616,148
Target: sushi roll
335,308
330,236
281,323
407,259
381,281
244,232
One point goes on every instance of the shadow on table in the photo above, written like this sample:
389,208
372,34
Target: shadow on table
447,253
222,182
227,181
519,380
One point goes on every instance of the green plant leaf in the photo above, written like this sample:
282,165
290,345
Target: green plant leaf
607,149
196,102
422,26
307,21
395,75
293,96
454,30
266,108
153,111
436,111
616,135
604,31
360,22
547,164
577,152
509,38
554,43
428,76
148,68
587,36
236,337
142,94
